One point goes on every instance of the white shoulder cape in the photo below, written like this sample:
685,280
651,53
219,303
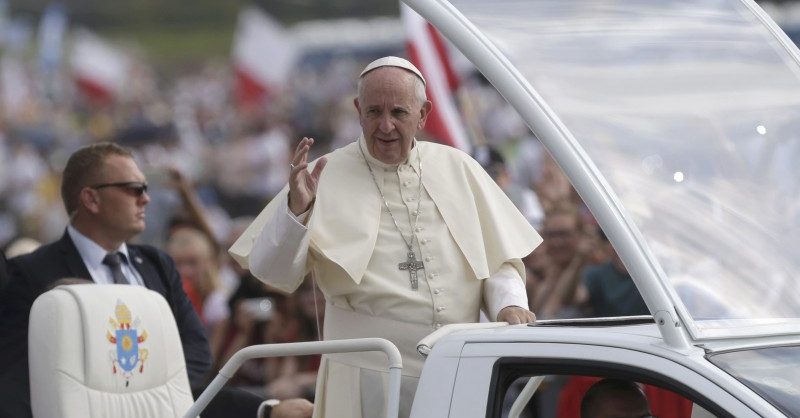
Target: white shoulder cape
343,223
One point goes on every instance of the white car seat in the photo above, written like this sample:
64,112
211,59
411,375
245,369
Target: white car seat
99,351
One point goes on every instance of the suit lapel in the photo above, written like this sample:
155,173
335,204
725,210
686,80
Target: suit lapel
72,258
147,270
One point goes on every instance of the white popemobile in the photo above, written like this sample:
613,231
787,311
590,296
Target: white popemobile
678,123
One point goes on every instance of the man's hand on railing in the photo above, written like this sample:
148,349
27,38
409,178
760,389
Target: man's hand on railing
515,315
292,408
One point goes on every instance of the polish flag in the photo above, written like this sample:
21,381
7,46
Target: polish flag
101,70
428,50
263,55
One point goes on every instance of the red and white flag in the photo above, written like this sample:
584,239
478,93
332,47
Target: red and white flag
263,54
101,70
428,50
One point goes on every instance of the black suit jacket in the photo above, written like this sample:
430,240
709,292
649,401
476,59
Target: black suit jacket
3,272
32,274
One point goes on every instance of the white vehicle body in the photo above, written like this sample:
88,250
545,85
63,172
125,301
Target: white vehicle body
460,372
676,121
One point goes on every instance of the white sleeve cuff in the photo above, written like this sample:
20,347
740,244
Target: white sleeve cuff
280,251
504,288
301,218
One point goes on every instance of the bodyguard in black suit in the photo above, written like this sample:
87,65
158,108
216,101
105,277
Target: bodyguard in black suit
3,273
35,273
105,194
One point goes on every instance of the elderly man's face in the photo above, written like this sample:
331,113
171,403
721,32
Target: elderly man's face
390,113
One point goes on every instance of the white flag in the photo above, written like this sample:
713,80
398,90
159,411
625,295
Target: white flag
263,55
100,69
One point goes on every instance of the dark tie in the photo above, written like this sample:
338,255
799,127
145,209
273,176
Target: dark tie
114,262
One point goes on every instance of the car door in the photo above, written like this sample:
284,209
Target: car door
486,369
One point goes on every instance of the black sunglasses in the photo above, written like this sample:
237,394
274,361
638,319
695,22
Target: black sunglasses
136,187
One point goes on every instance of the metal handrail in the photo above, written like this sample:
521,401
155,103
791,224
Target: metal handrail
425,345
525,396
308,348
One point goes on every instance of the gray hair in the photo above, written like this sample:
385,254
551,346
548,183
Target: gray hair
419,88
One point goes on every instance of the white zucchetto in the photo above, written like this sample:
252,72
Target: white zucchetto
391,61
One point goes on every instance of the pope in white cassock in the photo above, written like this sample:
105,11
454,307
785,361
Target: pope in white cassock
402,236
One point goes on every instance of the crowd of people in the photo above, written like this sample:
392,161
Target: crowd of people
212,164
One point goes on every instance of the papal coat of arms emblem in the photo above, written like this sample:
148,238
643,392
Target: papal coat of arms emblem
125,334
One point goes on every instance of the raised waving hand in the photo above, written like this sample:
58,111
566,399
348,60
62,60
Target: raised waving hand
302,183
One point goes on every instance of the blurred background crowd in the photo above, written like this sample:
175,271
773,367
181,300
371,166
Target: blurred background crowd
212,97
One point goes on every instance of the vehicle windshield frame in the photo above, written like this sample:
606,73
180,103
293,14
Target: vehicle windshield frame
495,57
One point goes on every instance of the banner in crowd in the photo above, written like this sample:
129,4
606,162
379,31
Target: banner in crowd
100,69
428,50
263,55
52,29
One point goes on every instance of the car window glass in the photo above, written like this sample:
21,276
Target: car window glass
770,372
560,396
688,111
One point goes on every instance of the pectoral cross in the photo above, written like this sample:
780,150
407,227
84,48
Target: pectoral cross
412,265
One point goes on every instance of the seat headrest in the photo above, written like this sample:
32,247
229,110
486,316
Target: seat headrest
103,339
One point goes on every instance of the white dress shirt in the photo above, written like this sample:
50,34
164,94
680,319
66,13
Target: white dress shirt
93,254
